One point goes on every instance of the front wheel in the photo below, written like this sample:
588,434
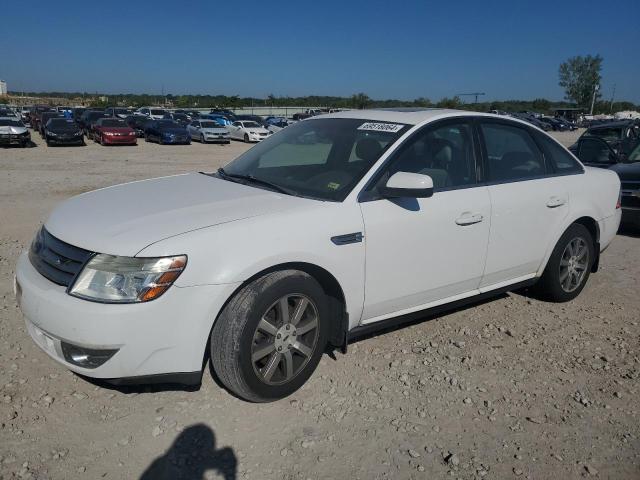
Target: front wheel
269,338
569,265
246,138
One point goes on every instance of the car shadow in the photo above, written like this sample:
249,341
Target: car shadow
141,388
191,455
629,231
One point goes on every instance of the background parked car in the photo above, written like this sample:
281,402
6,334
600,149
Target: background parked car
137,123
248,130
119,112
154,113
180,118
14,132
36,111
596,152
45,117
62,131
621,136
166,131
87,119
76,113
113,131
254,118
25,115
206,131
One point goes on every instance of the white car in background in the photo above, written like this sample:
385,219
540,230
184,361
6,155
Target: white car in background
208,131
154,113
248,130
336,226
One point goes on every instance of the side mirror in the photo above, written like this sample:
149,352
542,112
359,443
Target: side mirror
408,185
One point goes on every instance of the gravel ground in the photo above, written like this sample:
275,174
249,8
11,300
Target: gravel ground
510,388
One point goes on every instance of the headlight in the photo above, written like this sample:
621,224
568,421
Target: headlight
52,134
109,134
112,279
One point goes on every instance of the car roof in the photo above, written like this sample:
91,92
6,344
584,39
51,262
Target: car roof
410,116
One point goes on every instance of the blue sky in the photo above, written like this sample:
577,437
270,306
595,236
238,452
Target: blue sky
386,49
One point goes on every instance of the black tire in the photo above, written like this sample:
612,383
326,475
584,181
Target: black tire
202,140
549,287
246,138
233,336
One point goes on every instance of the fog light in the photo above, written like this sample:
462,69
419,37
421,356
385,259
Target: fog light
85,357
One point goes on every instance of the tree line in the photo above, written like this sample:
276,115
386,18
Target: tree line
359,101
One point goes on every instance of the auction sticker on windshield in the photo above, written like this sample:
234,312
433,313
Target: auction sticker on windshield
381,127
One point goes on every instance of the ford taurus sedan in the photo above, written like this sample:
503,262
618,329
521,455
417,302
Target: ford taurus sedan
335,226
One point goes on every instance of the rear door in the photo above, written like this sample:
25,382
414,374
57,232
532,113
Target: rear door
529,203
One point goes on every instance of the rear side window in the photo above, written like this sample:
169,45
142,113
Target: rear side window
511,153
559,159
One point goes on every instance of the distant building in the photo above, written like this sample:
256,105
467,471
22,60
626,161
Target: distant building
3,87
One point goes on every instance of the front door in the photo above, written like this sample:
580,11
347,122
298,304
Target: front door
422,252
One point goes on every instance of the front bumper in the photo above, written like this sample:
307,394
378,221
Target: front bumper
176,140
165,336
14,139
120,139
76,140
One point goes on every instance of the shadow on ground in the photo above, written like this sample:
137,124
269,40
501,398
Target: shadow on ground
193,454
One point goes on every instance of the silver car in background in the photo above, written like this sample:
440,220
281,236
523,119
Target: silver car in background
208,131
13,132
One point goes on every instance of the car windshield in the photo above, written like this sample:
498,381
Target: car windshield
250,125
62,124
322,159
5,122
607,134
158,112
210,124
112,123
120,110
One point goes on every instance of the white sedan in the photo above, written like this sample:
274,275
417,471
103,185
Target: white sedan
336,226
248,130
208,131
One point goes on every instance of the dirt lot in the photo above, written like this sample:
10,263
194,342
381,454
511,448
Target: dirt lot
511,388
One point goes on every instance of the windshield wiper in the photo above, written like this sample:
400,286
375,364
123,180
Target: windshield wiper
257,181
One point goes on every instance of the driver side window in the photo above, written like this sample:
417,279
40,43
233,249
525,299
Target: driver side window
445,153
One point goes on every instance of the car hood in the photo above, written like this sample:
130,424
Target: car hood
12,130
176,131
627,171
117,129
124,219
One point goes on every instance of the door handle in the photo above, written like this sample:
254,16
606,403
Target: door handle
469,219
555,202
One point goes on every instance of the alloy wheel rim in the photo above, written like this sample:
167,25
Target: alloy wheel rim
573,264
285,339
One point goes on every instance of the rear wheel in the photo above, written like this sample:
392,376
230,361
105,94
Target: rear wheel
269,338
569,266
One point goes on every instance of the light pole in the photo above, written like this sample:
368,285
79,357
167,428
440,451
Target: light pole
593,99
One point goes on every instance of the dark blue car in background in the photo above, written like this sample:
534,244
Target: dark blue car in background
165,132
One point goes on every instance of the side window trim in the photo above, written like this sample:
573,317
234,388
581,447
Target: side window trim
368,195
